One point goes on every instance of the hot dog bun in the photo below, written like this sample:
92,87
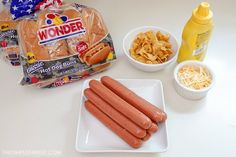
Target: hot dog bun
95,28
95,25
95,32
29,40
72,42
5,15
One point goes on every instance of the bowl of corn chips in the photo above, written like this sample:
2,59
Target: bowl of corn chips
150,48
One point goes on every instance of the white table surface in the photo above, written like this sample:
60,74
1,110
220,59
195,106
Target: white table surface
43,122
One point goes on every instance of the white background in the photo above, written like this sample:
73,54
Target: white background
45,120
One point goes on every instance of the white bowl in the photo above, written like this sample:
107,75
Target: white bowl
129,38
189,93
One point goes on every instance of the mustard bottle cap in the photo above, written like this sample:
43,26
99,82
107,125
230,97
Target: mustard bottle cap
202,14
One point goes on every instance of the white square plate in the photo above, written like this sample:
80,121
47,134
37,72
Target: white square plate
93,136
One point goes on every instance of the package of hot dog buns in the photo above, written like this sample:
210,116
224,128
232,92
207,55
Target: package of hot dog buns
62,45
9,48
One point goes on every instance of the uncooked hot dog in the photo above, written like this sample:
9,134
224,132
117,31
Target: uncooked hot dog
147,137
114,114
119,104
156,114
117,129
153,128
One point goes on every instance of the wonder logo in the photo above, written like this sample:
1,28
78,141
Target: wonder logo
59,27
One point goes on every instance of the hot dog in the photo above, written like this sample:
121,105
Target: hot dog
147,137
114,114
119,104
156,114
152,129
96,54
117,129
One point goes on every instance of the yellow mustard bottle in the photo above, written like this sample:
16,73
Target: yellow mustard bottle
196,34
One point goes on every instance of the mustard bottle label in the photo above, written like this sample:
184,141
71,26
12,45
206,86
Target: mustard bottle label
201,43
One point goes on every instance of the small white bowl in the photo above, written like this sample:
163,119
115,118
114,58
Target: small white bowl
189,93
129,38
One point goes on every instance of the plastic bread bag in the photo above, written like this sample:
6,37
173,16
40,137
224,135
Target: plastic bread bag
9,48
21,8
6,2
63,42
74,77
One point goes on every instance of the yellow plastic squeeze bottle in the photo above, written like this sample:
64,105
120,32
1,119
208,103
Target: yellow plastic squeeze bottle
196,34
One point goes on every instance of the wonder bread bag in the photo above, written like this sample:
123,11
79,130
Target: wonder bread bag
9,48
62,45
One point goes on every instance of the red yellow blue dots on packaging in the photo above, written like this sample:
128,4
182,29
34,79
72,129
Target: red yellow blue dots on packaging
110,56
56,19
31,59
67,79
63,81
27,79
4,27
3,43
32,79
